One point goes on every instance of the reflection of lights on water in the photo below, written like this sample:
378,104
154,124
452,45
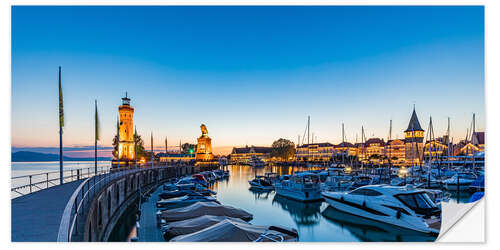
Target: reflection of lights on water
403,171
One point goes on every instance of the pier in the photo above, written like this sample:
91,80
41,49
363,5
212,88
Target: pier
85,209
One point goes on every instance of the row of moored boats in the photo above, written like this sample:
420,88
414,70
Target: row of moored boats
188,211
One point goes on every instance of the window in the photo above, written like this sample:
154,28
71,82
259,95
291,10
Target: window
366,191
416,200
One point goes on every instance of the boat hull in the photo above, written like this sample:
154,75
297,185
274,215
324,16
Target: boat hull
300,195
370,213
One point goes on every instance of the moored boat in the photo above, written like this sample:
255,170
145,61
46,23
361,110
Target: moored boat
405,207
261,183
302,186
232,231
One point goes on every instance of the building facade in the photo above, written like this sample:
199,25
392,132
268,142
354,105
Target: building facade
394,150
315,152
243,155
174,157
374,150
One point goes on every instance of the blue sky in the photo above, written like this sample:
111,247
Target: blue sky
251,74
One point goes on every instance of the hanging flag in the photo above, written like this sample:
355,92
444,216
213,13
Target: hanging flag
97,126
61,111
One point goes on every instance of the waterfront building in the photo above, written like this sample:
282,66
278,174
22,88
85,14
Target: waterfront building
315,152
394,150
245,154
204,147
414,137
175,157
346,149
374,150
435,148
475,145
126,132
361,152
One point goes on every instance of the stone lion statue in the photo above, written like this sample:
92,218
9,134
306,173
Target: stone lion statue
204,130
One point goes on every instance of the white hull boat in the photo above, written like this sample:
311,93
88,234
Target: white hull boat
301,187
399,206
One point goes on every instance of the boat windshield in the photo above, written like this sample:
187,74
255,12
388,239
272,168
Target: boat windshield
416,201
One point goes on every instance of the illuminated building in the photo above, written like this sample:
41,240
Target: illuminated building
374,150
126,133
315,152
204,147
394,150
475,145
414,137
435,148
173,157
345,148
243,155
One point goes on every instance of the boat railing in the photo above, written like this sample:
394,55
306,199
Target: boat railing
27,184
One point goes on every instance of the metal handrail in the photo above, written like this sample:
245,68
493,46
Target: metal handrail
47,182
76,207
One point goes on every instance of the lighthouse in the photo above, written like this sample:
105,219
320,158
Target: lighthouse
126,133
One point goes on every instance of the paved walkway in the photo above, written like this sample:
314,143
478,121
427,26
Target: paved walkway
148,231
37,216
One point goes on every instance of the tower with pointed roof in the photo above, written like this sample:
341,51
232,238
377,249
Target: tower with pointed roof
414,138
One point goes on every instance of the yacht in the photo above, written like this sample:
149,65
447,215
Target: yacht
302,186
405,207
261,183
464,180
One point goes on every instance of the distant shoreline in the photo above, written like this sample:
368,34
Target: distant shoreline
29,156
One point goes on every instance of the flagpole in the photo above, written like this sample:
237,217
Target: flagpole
95,137
61,124
152,152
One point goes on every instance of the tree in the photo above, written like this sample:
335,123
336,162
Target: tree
141,152
188,148
283,149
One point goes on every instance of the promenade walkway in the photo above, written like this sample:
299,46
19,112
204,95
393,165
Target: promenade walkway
37,216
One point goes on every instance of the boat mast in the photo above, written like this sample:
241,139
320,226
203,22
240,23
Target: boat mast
343,144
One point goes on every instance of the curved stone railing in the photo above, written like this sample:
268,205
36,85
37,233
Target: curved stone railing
100,200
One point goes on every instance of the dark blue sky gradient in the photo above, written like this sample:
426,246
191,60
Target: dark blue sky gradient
252,74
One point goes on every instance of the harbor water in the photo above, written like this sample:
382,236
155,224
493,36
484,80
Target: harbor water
314,221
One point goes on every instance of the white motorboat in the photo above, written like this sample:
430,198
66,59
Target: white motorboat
460,180
405,207
302,186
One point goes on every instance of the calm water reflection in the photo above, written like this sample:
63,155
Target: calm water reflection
314,221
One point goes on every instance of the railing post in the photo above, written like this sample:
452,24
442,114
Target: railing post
30,184
47,180
78,174
71,174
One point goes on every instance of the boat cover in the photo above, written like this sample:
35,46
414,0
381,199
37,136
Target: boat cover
195,224
230,231
204,208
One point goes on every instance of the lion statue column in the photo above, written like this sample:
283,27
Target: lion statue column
204,147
